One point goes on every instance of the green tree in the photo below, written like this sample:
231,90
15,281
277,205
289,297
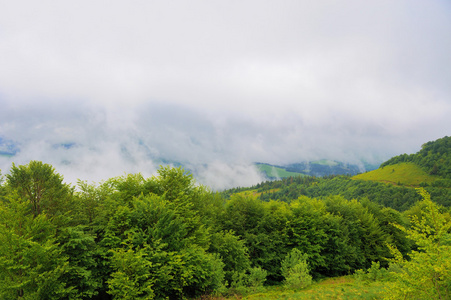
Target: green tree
174,183
42,186
32,264
131,278
295,270
427,274
365,237
232,252
79,247
142,220
306,229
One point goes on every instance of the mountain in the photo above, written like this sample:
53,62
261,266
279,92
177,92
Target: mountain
318,168
434,158
429,166
393,184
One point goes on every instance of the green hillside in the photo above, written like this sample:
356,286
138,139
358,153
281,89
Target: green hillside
403,173
434,158
392,185
276,172
317,168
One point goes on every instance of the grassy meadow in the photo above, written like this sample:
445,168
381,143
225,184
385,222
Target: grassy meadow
345,287
403,173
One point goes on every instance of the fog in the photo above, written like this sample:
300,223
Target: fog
102,90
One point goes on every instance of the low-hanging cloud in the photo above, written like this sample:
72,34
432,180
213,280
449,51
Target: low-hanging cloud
95,144
101,90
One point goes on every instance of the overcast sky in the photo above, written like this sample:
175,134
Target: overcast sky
100,88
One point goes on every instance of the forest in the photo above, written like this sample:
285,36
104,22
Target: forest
167,237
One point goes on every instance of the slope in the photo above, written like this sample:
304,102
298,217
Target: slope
434,158
276,172
407,173
392,185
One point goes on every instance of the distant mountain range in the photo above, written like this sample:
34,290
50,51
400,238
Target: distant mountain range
318,168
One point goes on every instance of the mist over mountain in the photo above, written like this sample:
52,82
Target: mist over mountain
99,91
93,143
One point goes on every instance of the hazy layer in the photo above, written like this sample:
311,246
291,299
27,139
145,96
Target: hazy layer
217,85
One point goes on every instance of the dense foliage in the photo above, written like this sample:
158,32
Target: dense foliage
427,272
398,197
166,237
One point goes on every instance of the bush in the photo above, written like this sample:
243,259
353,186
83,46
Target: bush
245,283
374,273
256,279
295,270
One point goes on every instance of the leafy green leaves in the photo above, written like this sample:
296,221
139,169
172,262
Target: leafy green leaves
32,264
131,278
41,185
427,275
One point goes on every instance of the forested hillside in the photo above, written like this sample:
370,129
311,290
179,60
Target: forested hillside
392,185
434,157
166,237
399,197
311,168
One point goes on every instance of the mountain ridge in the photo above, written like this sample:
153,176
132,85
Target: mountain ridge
317,168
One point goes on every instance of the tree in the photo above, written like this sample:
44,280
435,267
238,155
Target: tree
232,251
174,183
131,278
295,270
32,264
427,274
162,231
80,249
306,229
367,241
41,185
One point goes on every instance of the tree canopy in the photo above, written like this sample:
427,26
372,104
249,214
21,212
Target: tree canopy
167,237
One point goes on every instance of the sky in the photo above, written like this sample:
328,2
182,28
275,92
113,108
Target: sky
103,88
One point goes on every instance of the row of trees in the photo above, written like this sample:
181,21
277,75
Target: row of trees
399,198
166,237
128,238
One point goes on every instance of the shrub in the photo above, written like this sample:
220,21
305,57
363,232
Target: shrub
374,273
295,270
256,279
245,283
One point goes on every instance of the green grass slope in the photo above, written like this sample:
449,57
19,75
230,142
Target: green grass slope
332,288
434,157
403,173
